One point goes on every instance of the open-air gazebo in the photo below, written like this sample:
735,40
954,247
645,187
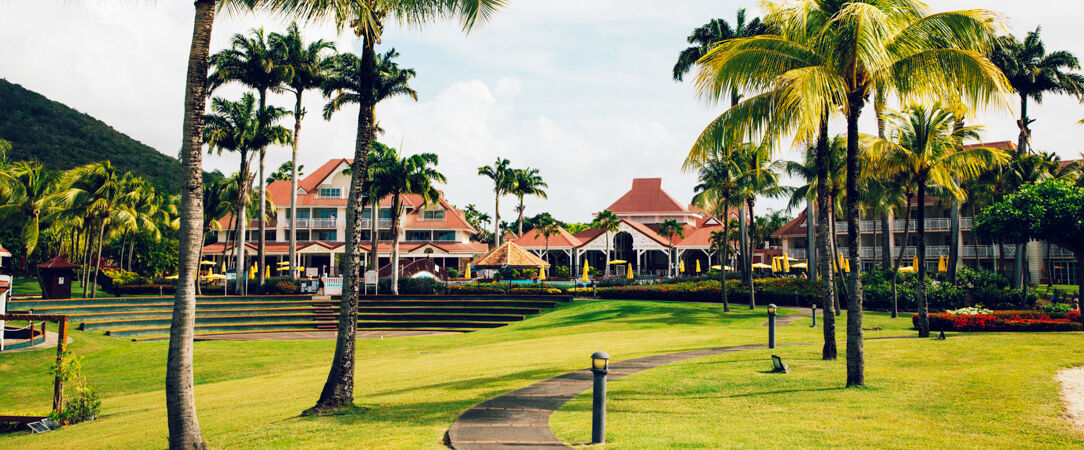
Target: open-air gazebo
508,256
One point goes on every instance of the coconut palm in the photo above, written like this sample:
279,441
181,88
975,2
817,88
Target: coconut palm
924,142
398,176
504,180
717,192
1033,72
669,229
244,128
527,182
608,223
96,190
28,194
216,205
758,178
824,56
547,228
304,66
711,34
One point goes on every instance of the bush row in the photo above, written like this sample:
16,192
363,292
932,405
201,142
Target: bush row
1028,320
784,291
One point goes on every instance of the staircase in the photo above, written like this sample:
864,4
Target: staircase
148,318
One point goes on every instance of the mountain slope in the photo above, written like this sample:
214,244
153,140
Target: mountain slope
61,138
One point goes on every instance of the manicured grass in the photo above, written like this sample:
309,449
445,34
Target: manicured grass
1070,288
249,394
23,286
970,391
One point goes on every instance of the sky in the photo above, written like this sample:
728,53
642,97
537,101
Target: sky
580,90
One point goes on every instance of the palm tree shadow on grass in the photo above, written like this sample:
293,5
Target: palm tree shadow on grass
641,313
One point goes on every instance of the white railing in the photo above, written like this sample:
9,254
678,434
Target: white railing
380,223
797,253
1056,251
314,223
966,222
932,224
935,251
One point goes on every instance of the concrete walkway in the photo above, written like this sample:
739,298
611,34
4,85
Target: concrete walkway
521,418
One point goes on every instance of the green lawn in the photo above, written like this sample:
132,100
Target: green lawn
29,287
1041,290
249,393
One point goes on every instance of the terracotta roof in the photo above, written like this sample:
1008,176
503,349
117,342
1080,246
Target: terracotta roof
587,235
647,196
795,227
698,237
57,263
318,176
561,239
508,255
4,252
1001,145
647,231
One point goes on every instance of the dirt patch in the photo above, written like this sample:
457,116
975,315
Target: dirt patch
1072,394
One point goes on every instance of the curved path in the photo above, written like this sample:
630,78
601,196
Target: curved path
521,417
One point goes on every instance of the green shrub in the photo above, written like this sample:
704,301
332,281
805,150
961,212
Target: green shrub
453,273
414,286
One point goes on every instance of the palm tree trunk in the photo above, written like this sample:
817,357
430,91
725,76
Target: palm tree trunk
811,239
184,430
824,258
836,259
856,364
374,234
954,240
1019,281
395,212
262,223
1022,123
338,391
497,220
86,257
605,235
923,308
743,242
97,262
722,263
520,220
131,252
748,260
886,241
899,257
199,290
298,114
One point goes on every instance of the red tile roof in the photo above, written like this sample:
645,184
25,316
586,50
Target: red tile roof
57,263
562,239
1000,145
697,237
647,196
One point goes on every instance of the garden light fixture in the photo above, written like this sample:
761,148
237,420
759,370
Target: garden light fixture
771,325
600,365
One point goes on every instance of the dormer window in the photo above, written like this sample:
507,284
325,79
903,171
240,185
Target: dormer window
331,193
433,214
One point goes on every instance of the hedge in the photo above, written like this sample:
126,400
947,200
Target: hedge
1005,321
784,291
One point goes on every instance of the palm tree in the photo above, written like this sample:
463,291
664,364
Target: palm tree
526,182
398,176
285,172
925,143
252,62
607,222
241,127
547,228
504,180
367,19
717,192
1032,72
28,190
758,178
707,36
216,205
669,229
823,57
304,66
97,191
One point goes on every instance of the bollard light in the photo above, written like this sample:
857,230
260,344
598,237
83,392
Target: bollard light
600,365
814,316
771,325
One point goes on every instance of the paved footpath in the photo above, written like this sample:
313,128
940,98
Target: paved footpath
521,418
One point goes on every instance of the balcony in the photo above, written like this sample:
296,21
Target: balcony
380,223
329,222
932,224
1060,252
797,253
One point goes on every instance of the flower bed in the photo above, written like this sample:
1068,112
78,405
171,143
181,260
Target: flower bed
768,290
1005,321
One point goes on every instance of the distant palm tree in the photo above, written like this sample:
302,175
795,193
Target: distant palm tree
547,228
527,182
926,145
285,173
1032,72
608,222
707,36
717,192
304,66
669,229
759,178
252,62
504,180
95,190
398,176
28,197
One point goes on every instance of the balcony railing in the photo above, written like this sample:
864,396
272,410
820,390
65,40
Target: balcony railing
798,253
380,223
1056,251
314,223
935,251
932,224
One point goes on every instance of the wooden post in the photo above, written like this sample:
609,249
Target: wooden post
58,383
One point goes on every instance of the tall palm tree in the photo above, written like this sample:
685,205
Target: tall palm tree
244,128
251,61
401,175
607,222
504,180
304,66
825,57
758,178
527,182
1033,72
707,36
669,229
925,143
28,193
97,191
547,228
717,192
367,19
216,205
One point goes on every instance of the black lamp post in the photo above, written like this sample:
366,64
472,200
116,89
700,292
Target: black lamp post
771,325
814,316
600,364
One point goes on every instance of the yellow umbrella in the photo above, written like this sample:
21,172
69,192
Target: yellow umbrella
252,272
847,265
698,266
914,261
942,264
206,263
775,264
681,266
468,271
800,266
216,276
618,261
762,266
284,263
541,273
586,267
629,272
786,262
172,277
267,272
907,269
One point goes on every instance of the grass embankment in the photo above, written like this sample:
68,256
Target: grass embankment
28,287
249,394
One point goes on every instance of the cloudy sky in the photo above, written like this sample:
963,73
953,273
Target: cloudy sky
580,90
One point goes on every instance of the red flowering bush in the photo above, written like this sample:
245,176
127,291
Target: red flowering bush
1005,321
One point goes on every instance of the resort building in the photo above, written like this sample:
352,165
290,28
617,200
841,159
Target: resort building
437,232
637,241
1045,262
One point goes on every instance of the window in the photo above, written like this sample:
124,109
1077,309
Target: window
385,213
302,235
324,235
366,235
385,235
331,193
418,235
433,214
444,235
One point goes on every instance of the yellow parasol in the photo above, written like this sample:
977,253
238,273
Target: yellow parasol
541,273
847,265
618,261
215,276
267,272
907,269
284,263
629,272
468,271
942,264
914,261
698,266
172,277
786,262
800,266
775,264
761,266
206,263
252,272
681,266
586,267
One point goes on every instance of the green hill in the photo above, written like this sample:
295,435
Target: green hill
62,138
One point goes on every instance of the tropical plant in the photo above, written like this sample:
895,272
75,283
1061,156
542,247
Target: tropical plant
304,66
669,229
504,180
27,191
1032,72
547,229
285,173
707,36
96,191
758,178
925,143
526,182
607,222
717,192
